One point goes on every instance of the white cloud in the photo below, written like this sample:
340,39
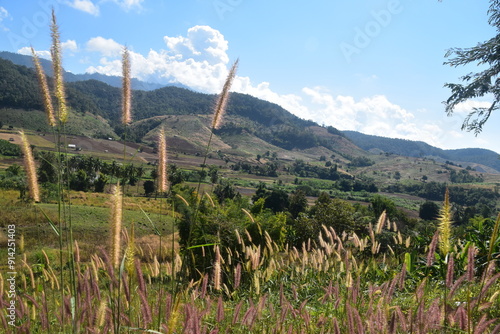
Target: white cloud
86,6
468,106
128,5
92,8
106,47
4,14
198,60
27,51
201,42
69,45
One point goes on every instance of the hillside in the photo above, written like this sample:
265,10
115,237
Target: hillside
247,117
251,126
473,157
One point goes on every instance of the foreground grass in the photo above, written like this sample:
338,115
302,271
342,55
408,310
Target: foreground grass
340,285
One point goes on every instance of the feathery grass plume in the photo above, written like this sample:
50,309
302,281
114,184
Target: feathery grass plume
381,221
116,226
29,165
217,269
471,254
44,87
449,272
444,226
21,243
126,88
55,51
432,249
101,312
223,98
182,199
162,162
130,252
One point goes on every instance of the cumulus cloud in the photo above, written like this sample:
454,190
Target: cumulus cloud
469,105
198,60
86,6
69,45
201,42
106,47
27,51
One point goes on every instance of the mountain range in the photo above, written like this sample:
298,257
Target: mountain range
114,81
95,101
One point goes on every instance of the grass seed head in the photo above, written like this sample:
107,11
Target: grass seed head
44,87
116,225
126,88
29,164
444,226
56,54
220,107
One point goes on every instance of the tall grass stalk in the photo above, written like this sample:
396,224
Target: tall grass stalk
126,88
218,113
29,165
444,226
57,117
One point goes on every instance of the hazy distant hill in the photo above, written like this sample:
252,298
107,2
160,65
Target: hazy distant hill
114,81
420,149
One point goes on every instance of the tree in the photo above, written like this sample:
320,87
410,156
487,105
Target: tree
428,210
478,84
380,204
149,187
100,183
213,172
277,200
225,190
298,203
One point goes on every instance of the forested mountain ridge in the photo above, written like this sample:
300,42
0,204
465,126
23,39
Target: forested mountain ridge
246,116
410,148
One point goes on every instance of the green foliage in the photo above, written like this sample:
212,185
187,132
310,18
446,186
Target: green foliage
297,203
361,162
303,169
428,210
18,87
463,176
225,190
9,149
149,187
380,204
478,84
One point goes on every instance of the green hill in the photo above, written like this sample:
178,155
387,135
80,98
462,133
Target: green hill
473,157
246,115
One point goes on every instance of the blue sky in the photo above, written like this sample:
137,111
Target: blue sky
366,65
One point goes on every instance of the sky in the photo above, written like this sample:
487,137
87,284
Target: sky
374,66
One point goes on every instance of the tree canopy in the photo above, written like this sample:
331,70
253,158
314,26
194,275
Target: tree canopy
482,83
